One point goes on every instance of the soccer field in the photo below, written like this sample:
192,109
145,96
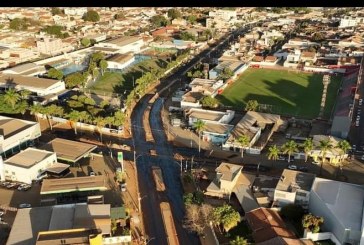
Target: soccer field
289,93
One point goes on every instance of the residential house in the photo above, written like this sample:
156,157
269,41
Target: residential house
334,156
341,206
167,31
258,127
270,60
120,61
195,114
79,11
26,165
16,133
267,224
293,59
347,22
236,67
207,87
179,22
52,46
293,187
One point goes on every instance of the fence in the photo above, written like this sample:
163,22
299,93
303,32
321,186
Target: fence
321,236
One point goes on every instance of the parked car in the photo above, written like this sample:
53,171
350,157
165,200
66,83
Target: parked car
303,169
92,174
123,187
25,205
2,212
292,167
357,123
5,183
360,102
362,157
24,187
12,185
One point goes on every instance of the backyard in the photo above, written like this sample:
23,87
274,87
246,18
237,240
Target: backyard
118,82
284,92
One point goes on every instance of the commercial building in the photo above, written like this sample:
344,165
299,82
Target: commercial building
16,134
333,156
52,224
341,206
26,165
124,44
120,61
293,187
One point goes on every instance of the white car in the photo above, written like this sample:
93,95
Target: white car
92,174
292,167
362,157
360,102
315,162
25,205
357,123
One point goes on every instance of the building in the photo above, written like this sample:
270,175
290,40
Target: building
27,165
266,224
57,224
191,100
16,134
207,87
236,67
195,114
124,44
341,126
293,187
347,22
120,61
27,69
39,86
79,11
258,126
334,156
52,46
341,206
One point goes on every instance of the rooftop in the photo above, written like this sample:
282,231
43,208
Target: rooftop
87,183
69,150
28,158
205,114
218,128
336,195
192,97
121,58
228,171
11,80
291,181
122,41
11,126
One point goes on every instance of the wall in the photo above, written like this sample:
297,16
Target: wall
119,66
286,198
321,236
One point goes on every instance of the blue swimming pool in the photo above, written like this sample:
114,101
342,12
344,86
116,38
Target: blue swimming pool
72,69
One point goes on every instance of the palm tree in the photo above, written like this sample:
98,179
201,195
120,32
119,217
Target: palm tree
325,145
289,148
307,147
199,126
344,146
239,241
24,94
273,153
11,97
103,66
74,117
244,142
35,109
84,117
100,123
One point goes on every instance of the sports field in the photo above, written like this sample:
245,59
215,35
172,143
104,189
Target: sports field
285,92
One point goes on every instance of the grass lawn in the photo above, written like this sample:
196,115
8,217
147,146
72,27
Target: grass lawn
118,82
289,93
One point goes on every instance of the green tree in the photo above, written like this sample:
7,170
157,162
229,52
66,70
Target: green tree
91,15
56,11
199,126
209,101
97,57
318,37
18,24
52,110
74,117
119,119
74,79
344,146
307,147
11,97
55,74
85,42
119,16
100,123
192,19
158,21
289,148
188,199
103,66
24,94
35,110
238,240
174,14
186,36
244,141
251,105
312,222
226,216
226,74
273,153
324,146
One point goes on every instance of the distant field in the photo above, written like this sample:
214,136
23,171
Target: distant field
289,93
118,82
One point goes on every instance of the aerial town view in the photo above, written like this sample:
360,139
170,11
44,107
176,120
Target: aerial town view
181,125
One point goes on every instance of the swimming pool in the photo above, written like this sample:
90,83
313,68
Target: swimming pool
72,68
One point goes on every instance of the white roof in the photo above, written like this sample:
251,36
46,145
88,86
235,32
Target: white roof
344,200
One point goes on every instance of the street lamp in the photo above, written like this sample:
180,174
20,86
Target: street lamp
139,201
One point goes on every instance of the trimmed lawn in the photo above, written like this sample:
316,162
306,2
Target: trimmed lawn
118,82
289,93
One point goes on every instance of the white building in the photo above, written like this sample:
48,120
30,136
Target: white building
293,187
347,21
120,61
52,46
79,11
39,86
27,165
124,44
341,206
15,133
207,87
223,14
195,114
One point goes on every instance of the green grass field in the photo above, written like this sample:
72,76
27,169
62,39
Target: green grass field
118,82
289,93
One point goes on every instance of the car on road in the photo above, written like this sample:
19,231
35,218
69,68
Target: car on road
357,123
362,157
25,205
2,212
123,187
353,147
12,185
303,169
24,187
360,102
292,167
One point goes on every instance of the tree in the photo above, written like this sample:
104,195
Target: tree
188,199
226,216
244,142
307,147
100,123
103,66
85,42
24,94
95,73
318,37
119,16
312,222
210,102
289,148
18,24
56,11
52,110
186,36
55,74
74,117
344,146
192,19
199,126
158,21
197,217
325,146
91,15
273,153
54,30
174,14
226,73
251,105
74,79
238,240
35,110
11,97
